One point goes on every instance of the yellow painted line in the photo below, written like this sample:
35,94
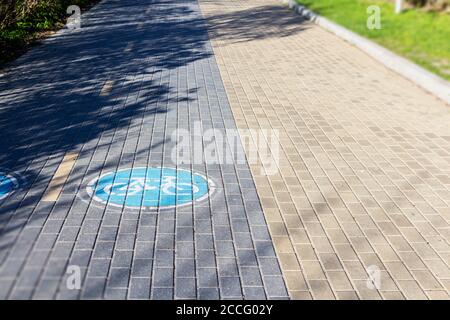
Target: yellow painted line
59,178
107,87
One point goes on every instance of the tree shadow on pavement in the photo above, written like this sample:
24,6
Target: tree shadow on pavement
262,22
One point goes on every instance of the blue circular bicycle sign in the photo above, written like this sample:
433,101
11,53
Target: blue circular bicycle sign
150,187
7,185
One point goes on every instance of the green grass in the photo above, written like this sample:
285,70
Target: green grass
423,37
19,37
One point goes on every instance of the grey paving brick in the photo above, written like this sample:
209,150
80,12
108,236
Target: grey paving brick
264,249
144,250
205,259
247,258
139,288
207,277
28,278
224,249
142,267
254,293
243,241
204,241
116,293
93,288
103,249
164,258
99,267
165,241
5,287
227,267
46,289
108,233
125,241
21,294
269,266
118,278
162,293
275,286
122,259
251,277
208,294
185,250
230,287
163,277
185,268
185,288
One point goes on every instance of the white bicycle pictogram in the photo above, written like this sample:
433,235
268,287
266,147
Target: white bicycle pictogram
133,186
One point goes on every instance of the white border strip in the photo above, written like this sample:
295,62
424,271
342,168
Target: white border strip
421,77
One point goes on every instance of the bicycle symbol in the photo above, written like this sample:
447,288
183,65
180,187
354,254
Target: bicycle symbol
7,185
133,186
150,187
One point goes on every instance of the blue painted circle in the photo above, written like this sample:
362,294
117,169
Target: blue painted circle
150,187
7,185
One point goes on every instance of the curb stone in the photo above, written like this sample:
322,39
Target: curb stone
419,76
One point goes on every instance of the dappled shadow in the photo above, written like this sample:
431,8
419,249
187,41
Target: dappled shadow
262,22
52,103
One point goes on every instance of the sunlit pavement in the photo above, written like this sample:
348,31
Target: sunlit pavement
360,207
96,202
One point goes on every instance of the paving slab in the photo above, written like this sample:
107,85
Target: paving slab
361,202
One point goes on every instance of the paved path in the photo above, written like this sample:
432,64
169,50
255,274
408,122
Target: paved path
365,163
110,95
363,180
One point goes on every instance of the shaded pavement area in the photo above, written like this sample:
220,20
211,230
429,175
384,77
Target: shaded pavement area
110,95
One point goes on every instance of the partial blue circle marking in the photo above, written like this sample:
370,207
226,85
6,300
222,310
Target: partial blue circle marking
150,187
7,185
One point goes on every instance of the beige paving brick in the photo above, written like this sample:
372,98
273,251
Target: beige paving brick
322,245
355,270
298,236
330,261
339,281
438,268
438,295
363,171
300,295
398,271
321,290
412,260
289,261
371,259
365,292
305,252
392,295
345,252
278,229
295,281
426,280
347,295
411,290
313,270
386,253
